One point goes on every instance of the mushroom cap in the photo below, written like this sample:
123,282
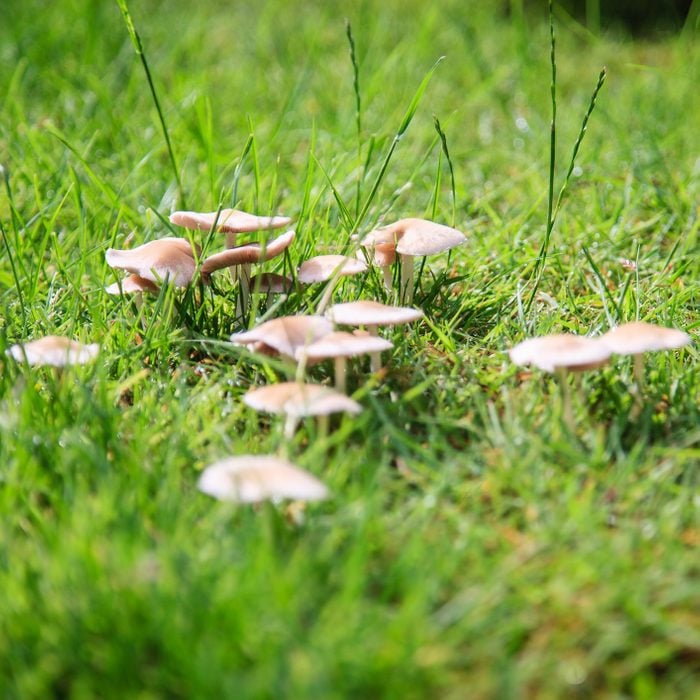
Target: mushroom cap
300,400
638,337
247,254
341,344
285,334
249,479
414,237
227,221
566,350
323,267
156,261
271,283
133,284
372,313
54,351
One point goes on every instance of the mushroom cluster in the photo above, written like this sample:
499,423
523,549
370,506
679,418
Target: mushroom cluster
565,352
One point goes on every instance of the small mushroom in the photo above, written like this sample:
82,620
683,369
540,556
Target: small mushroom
251,479
339,346
372,314
637,337
54,351
165,259
298,400
561,353
285,335
411,238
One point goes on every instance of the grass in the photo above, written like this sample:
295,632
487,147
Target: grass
473,545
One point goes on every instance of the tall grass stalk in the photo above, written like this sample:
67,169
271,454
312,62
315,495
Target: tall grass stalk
138,47
552,207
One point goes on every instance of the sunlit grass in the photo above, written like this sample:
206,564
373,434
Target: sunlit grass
472,542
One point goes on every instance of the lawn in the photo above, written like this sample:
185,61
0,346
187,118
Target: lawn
474,545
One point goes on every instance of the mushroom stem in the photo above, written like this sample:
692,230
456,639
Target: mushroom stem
340,375
388,277
290,426
407,272
567,409
375,358
639,372
231,243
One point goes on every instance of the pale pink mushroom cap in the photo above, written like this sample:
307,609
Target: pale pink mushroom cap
564,350
639,337
323,267
341,344
250,479
372,313
300,400
228,221
248,254
54,351
133,284
165,258
416,237
285,334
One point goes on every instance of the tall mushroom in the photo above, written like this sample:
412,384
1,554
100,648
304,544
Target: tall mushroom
231,222
411,238
561,353
372,314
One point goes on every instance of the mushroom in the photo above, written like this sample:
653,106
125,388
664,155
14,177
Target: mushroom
339,346
229,221
410,238
637,337
250,479
285,335
165,259
54,351
372,314
561,353
243,256
298,400
324,267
